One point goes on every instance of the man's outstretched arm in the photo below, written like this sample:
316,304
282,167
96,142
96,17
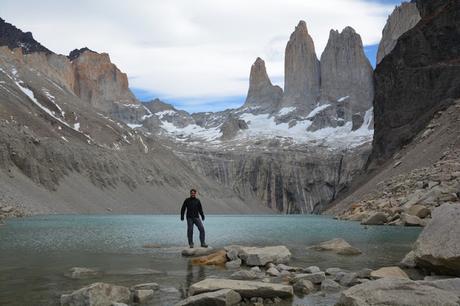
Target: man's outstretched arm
182,210
200,210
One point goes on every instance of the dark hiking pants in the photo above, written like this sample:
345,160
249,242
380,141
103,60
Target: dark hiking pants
190,223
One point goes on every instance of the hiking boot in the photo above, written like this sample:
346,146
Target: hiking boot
204,245
191,246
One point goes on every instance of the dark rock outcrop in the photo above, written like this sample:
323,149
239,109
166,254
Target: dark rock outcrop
403,18
13,37
418,78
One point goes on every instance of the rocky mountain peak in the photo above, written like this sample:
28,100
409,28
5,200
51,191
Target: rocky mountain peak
346,73
99,82
77,52
13,37
302,71
262,95
403,18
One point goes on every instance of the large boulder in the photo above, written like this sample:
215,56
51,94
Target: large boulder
411,220
223,297
337,245
315,278
378,218
389,291
438,246
246,289
253,256
97,294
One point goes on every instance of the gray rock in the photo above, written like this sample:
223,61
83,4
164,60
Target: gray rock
449,284
410,220
197,251
312,269
283,267
357,121
256,269
234,264
315,278
337,245
100,294
231,127
303,286
364,273
246,289
378,218
438,246
223,297
273,272
403,18
232,254
408,261
333,271
348,279
253,256
420,211
396,292
262,95
142,295
301,71
346,72
328,285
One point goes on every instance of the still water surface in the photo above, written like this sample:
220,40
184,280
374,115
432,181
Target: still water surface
36,252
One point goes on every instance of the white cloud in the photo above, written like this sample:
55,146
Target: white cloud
183,48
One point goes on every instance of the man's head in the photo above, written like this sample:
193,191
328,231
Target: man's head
192,193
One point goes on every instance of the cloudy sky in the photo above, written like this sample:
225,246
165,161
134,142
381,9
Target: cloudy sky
195,54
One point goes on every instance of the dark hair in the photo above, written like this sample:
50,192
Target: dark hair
192,190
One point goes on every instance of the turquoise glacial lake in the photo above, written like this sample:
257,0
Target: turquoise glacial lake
36,252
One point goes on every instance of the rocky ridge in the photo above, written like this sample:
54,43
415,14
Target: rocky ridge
403,18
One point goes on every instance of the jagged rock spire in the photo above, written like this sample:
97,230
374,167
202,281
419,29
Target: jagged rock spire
302,71
346,72
262,93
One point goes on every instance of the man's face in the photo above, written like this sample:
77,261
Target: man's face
192,194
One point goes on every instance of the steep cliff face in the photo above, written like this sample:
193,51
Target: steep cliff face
301,71
298,181
346,73
100,82
403,18
262,95
418,78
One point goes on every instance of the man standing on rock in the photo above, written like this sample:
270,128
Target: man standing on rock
193,207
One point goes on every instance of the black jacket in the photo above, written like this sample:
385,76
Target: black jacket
193,207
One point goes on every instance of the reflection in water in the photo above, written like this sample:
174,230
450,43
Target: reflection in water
195,273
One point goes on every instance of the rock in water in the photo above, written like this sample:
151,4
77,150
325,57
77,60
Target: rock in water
246,289
438,246
253,256
396,292
378,218
100,294
302,71
197,251
262,93
346,73
403,18
223,297
217,258
337,245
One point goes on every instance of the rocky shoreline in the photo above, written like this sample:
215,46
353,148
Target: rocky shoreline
429,275
10,211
